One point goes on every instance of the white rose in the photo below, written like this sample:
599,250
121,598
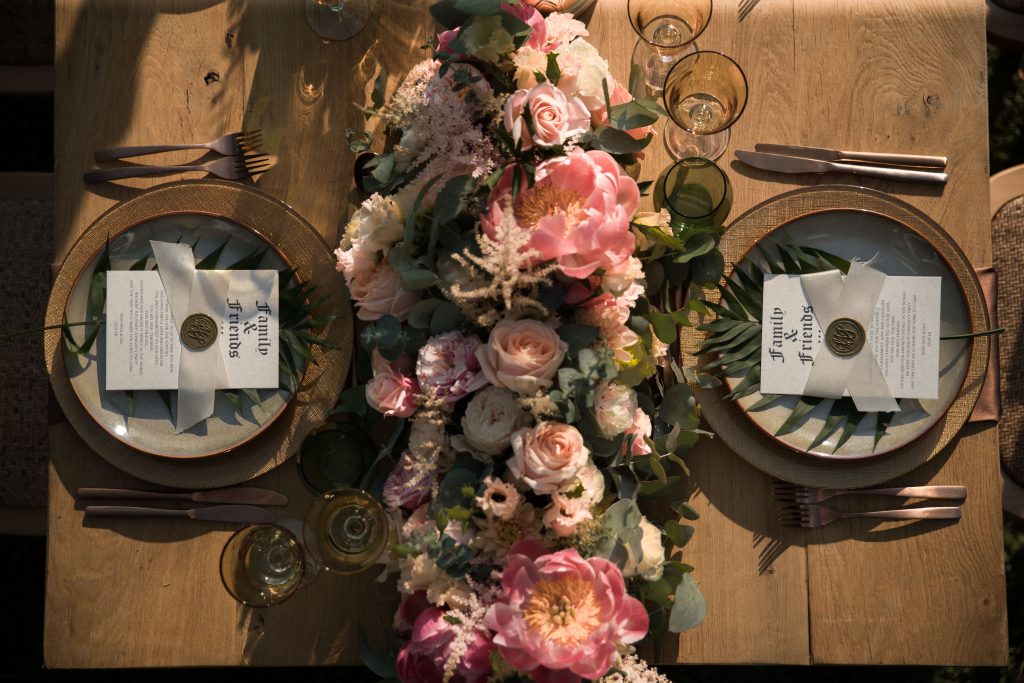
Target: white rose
491,417
651,564
614,407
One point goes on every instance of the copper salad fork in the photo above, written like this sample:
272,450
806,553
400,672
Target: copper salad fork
228,168
232,144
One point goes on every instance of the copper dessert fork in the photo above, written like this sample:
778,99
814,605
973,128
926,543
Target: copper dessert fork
229,168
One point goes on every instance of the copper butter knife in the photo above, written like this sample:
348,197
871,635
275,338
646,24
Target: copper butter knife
235,495
243,514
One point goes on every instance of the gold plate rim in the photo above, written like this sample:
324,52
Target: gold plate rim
299,244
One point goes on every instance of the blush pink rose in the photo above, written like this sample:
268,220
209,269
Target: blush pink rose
538,29
640,430
447,367
555,117
522,355
563,615
578,210
381,293
391,392
547,456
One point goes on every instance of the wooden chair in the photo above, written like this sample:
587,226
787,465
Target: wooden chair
26,231
1007,211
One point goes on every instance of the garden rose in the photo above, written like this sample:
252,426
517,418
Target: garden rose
578,210
381,293
447,367
555,117
422,659
491,417
563,613
410,482
391,392
651,564
522,355
615,406
547,456
641,429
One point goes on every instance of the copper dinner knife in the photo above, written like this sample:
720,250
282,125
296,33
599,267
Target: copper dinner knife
234,495
825,154
785,164
242,514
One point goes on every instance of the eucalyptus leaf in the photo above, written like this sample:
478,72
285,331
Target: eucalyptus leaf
690,608
679,534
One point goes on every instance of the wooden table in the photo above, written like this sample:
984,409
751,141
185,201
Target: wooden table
901,75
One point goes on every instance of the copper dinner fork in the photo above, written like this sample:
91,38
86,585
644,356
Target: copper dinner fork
229,168
784,492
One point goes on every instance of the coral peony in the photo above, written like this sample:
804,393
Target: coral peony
578,211
563,613
423,659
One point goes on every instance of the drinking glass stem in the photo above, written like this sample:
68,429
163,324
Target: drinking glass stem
681,143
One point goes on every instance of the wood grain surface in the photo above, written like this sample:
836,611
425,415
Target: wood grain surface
882,75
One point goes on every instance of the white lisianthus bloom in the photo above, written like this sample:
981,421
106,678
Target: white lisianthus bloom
491,417
614,407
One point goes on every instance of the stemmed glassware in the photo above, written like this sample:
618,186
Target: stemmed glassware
262,565
705,93
667,30
347,530
337,19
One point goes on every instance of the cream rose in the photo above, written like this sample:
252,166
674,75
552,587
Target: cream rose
614,407
547,456
491,417
382,294
555,116
651,564
522,355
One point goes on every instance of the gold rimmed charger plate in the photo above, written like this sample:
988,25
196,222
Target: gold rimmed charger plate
750,436
242,452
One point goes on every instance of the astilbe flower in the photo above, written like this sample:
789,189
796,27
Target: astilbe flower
632,669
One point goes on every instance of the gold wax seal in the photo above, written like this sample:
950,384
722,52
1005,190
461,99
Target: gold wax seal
198,331
845,337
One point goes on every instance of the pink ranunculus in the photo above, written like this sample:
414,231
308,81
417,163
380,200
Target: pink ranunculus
538,29
547,456
381,293
578,209
447,367
423,658
640,430
618,95
391,392
409,483
555,117
522,355
564,613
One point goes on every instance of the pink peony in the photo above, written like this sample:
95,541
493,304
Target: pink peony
447,367
409,484
381,293
578,209
563,613
422,659
538,29
391,392
555,117
547,456
522,355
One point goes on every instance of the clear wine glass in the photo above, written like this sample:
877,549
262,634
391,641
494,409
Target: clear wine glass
667,30
337,19
347,531
262,565
705,93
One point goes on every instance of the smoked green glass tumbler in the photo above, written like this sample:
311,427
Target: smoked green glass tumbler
695,191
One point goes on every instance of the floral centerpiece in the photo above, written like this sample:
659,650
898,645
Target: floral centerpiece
517,327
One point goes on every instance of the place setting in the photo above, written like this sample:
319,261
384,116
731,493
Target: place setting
488,392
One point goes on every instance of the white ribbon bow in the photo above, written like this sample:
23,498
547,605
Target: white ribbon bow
832,375
201,371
